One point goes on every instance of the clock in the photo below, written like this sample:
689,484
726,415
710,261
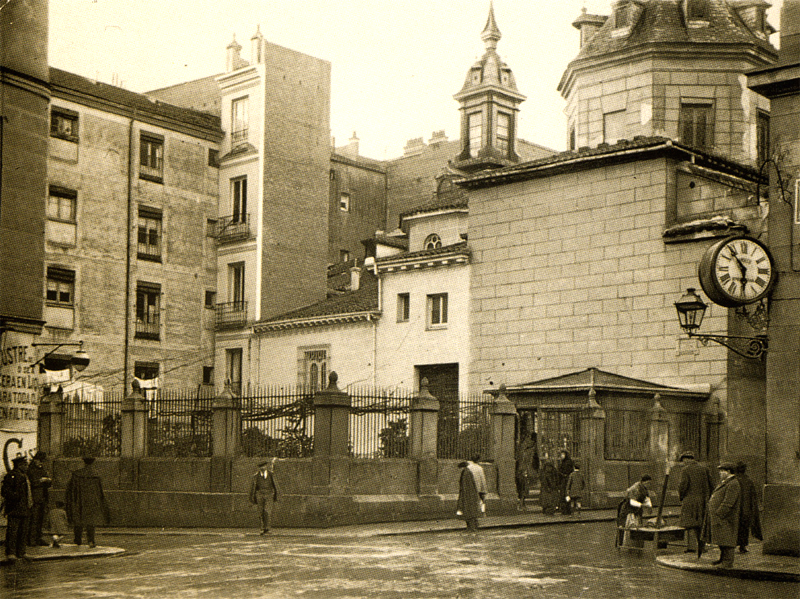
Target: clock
737,271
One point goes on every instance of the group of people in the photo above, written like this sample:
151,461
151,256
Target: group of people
26,502
562,485
724,515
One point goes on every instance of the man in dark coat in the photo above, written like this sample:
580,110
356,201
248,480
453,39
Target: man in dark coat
721,524
17,503
471,493
86,503
565,468
264,492
694,490
40,488
749,514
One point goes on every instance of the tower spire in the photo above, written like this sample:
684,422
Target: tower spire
491,34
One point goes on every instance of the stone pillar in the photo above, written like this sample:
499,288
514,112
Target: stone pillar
51,423
226,425
331,439
659,440
503,422
424,430
134,424
710,437
593,447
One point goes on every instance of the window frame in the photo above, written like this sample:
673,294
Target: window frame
234,359
437,310
692,107
148,321
236,283
762,136
147,249
474,133
144,368
239,199
610,122
403,307
344,201
503,142
240,124
62,193
432,242
60,279
151,157
314,366
59,114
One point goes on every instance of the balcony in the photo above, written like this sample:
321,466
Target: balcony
239,138
232,228
231,315
147,329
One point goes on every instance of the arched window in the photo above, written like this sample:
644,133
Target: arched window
432,242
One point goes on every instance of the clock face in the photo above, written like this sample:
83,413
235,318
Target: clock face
737,271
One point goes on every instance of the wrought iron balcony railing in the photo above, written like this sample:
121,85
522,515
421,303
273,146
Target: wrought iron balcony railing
232,228
231,315
148,329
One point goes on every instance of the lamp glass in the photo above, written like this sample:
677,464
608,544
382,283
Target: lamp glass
691,310
80,360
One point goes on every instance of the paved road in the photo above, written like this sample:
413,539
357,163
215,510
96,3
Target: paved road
559,561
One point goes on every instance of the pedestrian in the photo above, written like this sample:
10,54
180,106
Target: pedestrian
17,504
694,489
721,524
749,513
522,471
57,523
631,510
40,493
85,502
471,493
565,468
576,484
264,493
550,487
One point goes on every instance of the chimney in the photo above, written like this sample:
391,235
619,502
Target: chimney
355,278
257,47
351,149
414,147
233,57
437,136
588,25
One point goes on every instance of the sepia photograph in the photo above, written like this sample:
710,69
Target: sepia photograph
455,299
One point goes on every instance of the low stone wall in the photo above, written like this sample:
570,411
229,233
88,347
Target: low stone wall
213,492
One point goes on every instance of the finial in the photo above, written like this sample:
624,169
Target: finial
491,34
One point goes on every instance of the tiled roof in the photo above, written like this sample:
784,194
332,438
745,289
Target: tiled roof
452,201
661,21
116,99
456,248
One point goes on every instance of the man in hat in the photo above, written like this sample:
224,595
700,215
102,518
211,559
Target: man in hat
694,490
721,524
85,502
40,488
17,502
264,492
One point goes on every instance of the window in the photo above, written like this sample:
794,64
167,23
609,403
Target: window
239,199
64,124
437,310
211,299
60,287
613,126
432,242
344,202
233,365
61,204
236,283
148,301
213,157
314,369
762,132
697,124
146,371
403,307
240,121
149,235
627,435
475,125
208,375
572,139
151,157
622,15
503,132
211,227
344,256
696,10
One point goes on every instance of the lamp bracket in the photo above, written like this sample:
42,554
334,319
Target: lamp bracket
749,347
758,319
56,347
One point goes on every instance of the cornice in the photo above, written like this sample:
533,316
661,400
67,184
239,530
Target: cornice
410,263
316,321
26,82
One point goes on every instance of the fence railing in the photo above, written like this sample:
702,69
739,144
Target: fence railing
92,425
278,421
179,423
379,421
464,426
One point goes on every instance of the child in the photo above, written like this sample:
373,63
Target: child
57,524
575,486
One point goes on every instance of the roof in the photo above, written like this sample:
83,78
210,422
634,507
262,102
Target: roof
451,201
600,380
117,100
457,253
622,151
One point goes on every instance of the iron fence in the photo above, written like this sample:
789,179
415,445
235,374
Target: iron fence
92,424
464,426
379,421
278,422
179,423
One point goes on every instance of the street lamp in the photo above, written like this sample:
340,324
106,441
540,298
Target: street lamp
79,360
691,310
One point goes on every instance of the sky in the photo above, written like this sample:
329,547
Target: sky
395,64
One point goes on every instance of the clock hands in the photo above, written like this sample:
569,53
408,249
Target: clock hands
742,268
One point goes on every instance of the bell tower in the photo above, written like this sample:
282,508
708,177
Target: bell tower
489,105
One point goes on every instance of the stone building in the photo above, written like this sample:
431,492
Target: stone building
129,264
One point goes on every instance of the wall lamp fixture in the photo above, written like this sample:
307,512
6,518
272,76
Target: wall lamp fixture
691,310
80,360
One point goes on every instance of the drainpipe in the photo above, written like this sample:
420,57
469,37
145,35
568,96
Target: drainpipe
128,249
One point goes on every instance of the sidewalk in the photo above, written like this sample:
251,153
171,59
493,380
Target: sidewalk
753,565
